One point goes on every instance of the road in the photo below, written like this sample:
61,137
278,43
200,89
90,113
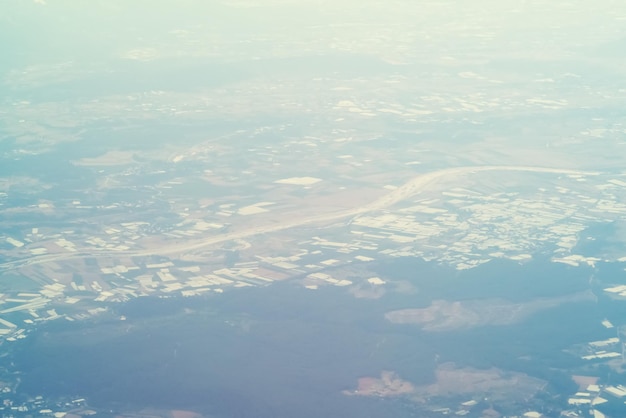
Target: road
407,190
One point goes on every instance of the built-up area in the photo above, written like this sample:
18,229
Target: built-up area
460,221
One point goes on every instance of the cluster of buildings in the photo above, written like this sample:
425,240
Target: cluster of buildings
92,287
467,409
72,276
10,406
587,403
468,227
462,226
596,397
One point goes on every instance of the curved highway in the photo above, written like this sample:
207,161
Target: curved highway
409,189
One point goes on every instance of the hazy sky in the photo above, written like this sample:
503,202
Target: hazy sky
49,30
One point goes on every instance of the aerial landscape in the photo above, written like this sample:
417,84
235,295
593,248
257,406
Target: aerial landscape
313,208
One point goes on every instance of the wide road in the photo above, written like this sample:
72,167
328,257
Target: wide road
407,190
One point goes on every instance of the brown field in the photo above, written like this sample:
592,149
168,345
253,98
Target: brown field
451,380
389,384
271,274
443,315
185,414
584,381
109,158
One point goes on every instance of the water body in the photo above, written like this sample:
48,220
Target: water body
284,351
254,353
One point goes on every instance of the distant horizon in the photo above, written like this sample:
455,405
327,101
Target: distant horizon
313,208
